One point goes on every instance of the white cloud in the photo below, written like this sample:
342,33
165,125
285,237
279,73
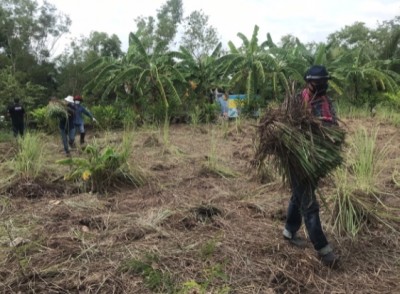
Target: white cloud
311,20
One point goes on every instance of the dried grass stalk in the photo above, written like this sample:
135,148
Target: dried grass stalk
57,109
298,143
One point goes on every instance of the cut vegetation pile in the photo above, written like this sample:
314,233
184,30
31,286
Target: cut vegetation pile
57,109
298,142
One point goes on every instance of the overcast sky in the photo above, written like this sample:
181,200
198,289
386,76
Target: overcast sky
311,20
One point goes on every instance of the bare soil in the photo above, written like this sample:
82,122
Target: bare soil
187,228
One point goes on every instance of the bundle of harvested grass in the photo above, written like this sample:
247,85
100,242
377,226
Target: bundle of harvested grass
57,109
298,142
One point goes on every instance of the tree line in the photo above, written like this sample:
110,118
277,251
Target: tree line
164,74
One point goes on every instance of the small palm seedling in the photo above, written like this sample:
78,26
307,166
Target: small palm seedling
102,169
195,116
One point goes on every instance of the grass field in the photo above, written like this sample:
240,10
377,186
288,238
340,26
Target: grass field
202,223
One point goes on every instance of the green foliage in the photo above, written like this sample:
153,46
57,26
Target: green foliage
195,115
388,114
209,112
40,118
393,99
211,274
9,88
357,201
345,109
108,116
363,62
199,38
208,249
5,136
367,161
250,107
28,163
114,116
104,168
29,30
148,268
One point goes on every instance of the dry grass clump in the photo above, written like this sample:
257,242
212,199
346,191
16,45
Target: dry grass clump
57,109
298,142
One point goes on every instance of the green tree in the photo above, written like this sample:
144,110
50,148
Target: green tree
364,75
104,45
28,32
29,29
11,88
203,74
152,32
246,67
351,36
152,75
80,54
199,38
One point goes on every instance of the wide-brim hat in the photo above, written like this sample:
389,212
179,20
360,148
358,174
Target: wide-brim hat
317,72
69,99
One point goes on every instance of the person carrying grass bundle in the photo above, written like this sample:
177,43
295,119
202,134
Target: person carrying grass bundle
64,112
303,202
304,140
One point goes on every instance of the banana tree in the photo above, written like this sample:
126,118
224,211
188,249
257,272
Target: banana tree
246,65
364,75
152,75
203,73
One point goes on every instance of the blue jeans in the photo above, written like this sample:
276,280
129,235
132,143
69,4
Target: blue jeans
303,204
80,127
67,134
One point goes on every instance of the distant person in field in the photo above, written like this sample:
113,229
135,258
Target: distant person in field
66,125
221,99
80,110
17,114
303,203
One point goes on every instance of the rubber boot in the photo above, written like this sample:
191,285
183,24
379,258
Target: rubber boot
71,144
327,257
82,138
294,239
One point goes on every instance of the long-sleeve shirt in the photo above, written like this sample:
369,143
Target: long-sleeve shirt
321,106
79,111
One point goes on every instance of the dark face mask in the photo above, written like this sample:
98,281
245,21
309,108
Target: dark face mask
319,87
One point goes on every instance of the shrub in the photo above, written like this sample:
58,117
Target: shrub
110,116
28,162
104,168
357,200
